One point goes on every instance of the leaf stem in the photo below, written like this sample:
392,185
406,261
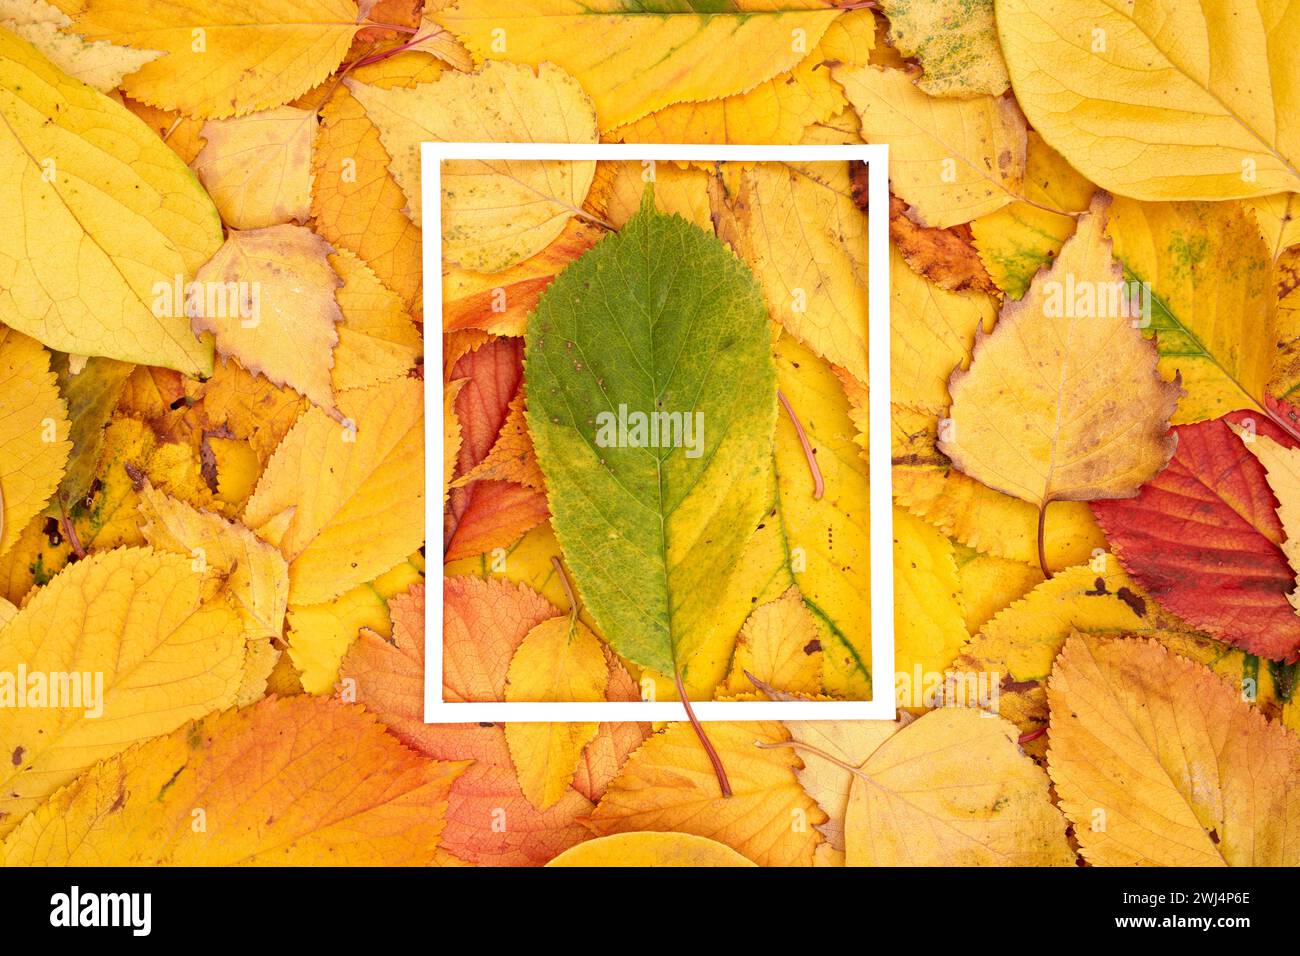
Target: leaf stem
1042,550
718,769
819,485
568,589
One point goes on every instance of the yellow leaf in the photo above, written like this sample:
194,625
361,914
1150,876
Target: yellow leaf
1213,308
257,168
951,160
956,44
1022,640
1167,758
1062,401
297,782
377,340
355,201
494,213
108,221
256,578
225,57
932,331
989,584
829,748
251,407
669,784
1279,220
282,324
633,61
320,634
650,849
142,651
682,190
101,65
905,808
353,493
825,542
1161,99
929,626
927,485
559,659
780,644
814,276
1015,241
34,444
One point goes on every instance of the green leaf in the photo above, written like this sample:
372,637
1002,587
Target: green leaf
658,318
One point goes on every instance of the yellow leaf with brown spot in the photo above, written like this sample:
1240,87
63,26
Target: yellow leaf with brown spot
780,644
951,160
34,444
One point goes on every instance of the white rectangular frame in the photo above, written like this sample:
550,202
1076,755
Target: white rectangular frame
882,706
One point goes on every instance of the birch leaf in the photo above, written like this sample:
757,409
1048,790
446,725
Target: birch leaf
1063,404
280,318
257,168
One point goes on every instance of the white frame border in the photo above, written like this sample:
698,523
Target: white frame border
882,706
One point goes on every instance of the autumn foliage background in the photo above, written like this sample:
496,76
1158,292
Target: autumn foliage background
221,510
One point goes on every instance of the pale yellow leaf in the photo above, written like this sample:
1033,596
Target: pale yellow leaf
101,65
951,160
257,168
1062,401
268,297
494,213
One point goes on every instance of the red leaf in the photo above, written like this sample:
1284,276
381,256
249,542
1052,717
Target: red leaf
1202,538
487,514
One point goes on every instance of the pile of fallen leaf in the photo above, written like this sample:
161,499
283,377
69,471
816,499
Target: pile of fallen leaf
211,417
